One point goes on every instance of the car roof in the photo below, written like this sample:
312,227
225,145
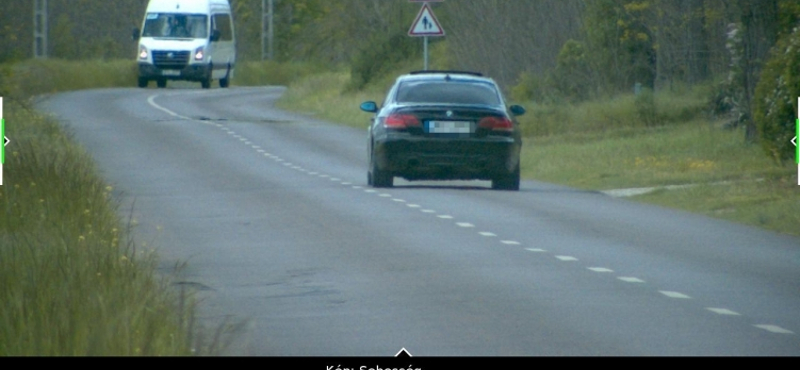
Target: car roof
462,76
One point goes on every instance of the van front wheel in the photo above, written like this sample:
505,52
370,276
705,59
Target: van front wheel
225,81
142,82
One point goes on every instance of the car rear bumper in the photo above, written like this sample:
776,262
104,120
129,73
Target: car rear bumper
418,158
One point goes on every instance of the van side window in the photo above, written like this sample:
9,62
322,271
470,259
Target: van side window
222,23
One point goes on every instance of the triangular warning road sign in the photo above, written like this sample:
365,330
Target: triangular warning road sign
426,24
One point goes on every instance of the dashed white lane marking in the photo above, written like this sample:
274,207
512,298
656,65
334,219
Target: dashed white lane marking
510,242
346,183
536,250
261,150
335,179
600,269
487,234
357,187
413,205
464,224
567,258
774,329
398,200
384,195
630,279
370,191
722,311
313,173
446,217
428,211
674,294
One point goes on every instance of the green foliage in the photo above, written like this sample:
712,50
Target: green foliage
775,101
381,55
533,87
646,109
572,71
619,43
42,76
273,73
72,282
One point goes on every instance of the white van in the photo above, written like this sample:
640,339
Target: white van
191,40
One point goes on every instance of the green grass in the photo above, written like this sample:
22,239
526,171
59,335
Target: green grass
72,280
618,142
272,73
34,77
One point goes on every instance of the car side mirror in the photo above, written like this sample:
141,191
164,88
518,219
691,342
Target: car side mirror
369,106
517,110
215,34
135,34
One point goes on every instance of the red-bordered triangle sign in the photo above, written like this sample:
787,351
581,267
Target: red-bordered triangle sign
426,24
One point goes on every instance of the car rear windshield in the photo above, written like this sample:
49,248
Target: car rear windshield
450,92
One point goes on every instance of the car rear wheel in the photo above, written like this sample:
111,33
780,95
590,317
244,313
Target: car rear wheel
507,182
378,178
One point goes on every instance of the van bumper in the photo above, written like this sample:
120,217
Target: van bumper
192,72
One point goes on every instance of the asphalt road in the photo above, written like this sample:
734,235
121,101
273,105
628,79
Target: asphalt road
271,213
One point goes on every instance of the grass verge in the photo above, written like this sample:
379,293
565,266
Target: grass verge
72,280
619,142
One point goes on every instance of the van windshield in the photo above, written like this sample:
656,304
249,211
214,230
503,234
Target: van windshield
175,25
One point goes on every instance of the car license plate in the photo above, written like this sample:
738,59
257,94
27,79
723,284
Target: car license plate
449,127
170,72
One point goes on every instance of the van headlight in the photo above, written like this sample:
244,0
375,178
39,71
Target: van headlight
143,53
199,53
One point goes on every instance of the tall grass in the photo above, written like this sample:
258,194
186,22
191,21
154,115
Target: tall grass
72,280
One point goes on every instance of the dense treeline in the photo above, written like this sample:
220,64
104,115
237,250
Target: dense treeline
545,50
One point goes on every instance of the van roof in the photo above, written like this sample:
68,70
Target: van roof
187,6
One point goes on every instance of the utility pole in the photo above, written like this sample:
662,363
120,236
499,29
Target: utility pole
40,29
267,31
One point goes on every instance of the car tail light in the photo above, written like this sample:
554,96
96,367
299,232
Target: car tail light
496,124
401,121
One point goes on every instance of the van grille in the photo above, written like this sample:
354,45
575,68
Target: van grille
170,59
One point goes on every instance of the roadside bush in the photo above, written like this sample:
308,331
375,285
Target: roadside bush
381,55
775,104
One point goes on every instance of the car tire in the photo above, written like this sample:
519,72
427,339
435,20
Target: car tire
378,178
161,83
507,181
143,82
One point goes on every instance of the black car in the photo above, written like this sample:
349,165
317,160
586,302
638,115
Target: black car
444,125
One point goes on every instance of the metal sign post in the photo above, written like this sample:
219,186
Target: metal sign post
425,25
